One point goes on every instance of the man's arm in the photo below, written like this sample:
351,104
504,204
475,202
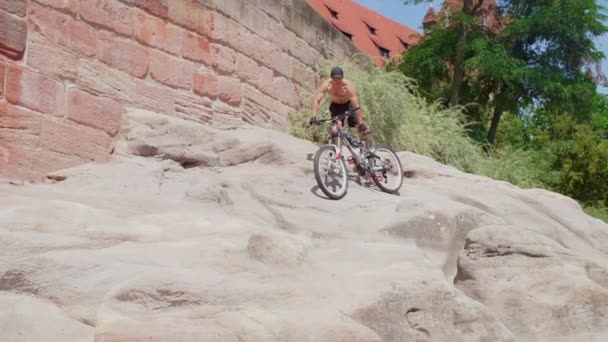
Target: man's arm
317,101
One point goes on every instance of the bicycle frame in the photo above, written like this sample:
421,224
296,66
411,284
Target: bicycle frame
344,139
367,161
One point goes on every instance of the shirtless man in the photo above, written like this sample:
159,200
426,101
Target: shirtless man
343,98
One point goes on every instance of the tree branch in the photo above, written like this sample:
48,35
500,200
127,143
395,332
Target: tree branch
477,6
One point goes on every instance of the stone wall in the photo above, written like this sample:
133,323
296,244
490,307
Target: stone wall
69,67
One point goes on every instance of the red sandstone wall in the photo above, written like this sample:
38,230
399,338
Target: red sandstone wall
68,68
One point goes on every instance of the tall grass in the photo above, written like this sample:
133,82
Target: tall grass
524,168
597,211
400,118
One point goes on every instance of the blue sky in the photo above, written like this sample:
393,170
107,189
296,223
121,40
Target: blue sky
412,15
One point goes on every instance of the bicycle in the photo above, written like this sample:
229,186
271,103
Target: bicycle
365,160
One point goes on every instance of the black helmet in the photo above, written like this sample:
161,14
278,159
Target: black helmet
337,73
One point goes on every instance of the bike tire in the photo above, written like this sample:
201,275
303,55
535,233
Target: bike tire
321,183
379,183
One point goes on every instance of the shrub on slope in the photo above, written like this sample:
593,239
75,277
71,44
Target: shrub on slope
400,118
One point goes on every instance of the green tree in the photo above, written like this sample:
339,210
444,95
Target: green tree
584,173
461,25
556,39
462,61
542,59
532,86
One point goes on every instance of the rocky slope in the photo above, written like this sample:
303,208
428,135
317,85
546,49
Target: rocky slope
197,234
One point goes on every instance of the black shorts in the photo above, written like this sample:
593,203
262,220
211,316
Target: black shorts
339,108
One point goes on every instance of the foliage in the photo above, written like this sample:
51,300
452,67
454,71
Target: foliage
541,150
492,80
597,211
428,63
401,118
524,168
599,116
584,173
543,58
556,39
531,86
529,89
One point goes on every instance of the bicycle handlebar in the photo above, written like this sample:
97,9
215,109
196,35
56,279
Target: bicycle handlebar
337,117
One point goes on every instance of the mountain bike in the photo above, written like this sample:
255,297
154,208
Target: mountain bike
366,161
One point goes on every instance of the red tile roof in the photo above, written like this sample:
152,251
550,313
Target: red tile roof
359,22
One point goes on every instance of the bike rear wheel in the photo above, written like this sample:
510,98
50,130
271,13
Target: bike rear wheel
337,186
386,170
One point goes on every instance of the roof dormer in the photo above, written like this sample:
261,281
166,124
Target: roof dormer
332,12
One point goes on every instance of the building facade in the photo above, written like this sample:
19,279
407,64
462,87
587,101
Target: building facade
377,36
384,39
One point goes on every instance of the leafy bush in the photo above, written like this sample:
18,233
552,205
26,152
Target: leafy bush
403,119
400,118
584,174
524,168
597,211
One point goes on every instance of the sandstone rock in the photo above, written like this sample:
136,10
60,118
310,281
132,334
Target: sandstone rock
191,232
191,144
544,282
17,312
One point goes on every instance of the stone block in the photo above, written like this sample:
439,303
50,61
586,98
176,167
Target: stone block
196,48
189,14
67,6
153,31
34,90
13,36
109,14
71,138
102,113
122,54
171,71
61,29
17,7
52,59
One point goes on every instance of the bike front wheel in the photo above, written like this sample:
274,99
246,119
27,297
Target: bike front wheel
386,170
330,172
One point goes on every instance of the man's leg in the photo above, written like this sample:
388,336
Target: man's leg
362,136
367,139
335,137
332,113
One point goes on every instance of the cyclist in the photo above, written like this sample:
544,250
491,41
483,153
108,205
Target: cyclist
343,98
